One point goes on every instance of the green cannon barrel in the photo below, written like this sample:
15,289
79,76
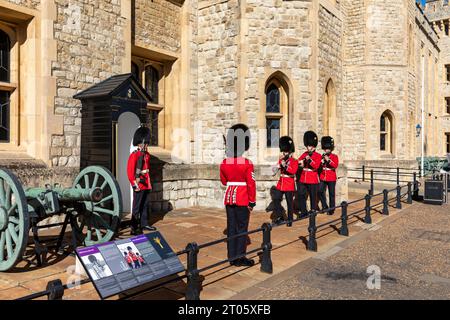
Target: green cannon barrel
68,195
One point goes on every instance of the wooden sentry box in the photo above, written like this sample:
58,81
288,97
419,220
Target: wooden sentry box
102,105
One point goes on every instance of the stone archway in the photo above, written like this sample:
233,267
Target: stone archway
329,110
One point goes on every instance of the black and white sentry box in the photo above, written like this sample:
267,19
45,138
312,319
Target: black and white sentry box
125,264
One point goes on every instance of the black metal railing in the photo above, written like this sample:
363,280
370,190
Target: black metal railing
55,289
370,173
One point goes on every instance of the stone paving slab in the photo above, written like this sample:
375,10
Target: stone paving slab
412,250
199,225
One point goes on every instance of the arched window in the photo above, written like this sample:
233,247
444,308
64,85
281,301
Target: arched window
5,47
329,109
386,124
276,110
151,83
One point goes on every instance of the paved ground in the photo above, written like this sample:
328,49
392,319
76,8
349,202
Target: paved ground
200,225
411,249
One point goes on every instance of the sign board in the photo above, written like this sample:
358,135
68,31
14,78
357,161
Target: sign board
125,264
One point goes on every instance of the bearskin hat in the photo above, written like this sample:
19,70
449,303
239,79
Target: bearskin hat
142,135
327,143
310,139
287,144
238,140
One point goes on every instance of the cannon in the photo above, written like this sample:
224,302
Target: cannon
92,207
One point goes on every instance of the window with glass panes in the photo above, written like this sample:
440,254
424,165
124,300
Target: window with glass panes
149,74
273,115
5,47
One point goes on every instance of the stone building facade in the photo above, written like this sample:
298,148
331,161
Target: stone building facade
347,68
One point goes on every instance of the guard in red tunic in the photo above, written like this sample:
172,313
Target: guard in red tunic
287,166
237,173
138,171
328,177
309,163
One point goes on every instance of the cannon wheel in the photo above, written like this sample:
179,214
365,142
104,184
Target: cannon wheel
14,220
98,221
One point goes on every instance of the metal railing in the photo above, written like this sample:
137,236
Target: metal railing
55,289
361,174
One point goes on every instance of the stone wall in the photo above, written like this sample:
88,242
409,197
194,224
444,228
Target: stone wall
353,129
330,67
157,23
217,45
90,48
33,4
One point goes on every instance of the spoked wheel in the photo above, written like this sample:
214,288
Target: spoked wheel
98,222
14,220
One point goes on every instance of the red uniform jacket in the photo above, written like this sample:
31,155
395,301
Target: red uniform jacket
287,175
144,184
329,169
309,173
239,177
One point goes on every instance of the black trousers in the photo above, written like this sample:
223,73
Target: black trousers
278,198
331,193
311,190
237,222
141,204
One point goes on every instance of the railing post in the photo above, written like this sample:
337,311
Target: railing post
344,218
385,202
398,176
56,290
312,243
363,173
367,218
266,258
398,204
409,199
416,186
193,277
371,182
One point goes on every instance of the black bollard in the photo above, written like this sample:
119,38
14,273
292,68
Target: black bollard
416,187
398,204
371,183
193,276
385,202
266,258
409,199
363,173
312,243
398,175
344,228
367,218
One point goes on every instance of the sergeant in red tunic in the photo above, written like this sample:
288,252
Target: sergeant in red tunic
138,171
237,173
287,166
330,162
309,163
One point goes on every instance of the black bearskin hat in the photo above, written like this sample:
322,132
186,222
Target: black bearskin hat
327,143
287,144
238,140
142,135
310,139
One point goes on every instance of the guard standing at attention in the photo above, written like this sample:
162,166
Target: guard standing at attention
138,171
237,173
309,163
287,166
328,177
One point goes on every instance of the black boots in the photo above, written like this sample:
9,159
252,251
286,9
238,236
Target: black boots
243,262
